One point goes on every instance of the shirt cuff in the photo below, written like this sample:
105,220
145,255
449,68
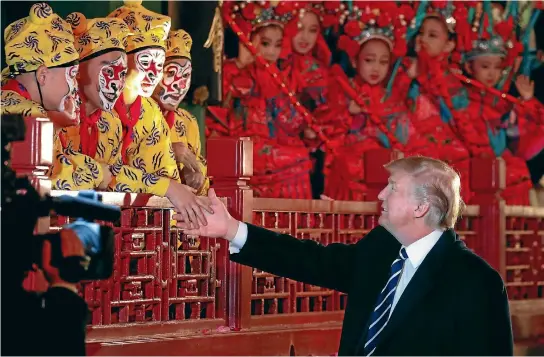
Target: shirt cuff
239,239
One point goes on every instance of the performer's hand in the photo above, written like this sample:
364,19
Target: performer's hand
193,179
417,46
71,246
185,156
525,86
412,71
354,108
245,57
220,223
106,177
190,208
310,134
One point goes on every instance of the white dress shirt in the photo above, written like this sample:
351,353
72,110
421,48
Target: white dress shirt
416,252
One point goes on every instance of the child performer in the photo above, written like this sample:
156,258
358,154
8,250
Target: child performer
372,38
492,118
258,108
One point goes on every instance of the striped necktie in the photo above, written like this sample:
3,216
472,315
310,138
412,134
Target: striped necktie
382,309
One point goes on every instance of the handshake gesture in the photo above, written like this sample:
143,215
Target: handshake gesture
219,223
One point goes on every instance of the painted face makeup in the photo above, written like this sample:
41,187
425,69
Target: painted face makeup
70,102
111,81
175,83
150,62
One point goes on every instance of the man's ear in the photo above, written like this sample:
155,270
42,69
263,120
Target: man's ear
450,46
421,210
41,74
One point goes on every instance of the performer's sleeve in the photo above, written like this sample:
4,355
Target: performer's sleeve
195,145
155,154
131,179
402,81
330,266
153,164
484,327
531,110
178,132
74,171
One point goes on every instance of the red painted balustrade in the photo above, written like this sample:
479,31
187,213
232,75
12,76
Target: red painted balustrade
172,294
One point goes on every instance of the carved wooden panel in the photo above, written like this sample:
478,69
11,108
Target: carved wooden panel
524,251
323,221
159,273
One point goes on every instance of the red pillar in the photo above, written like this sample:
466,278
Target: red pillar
230,165
487,180
376,175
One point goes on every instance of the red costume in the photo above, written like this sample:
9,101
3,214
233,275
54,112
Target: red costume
256,107
380,122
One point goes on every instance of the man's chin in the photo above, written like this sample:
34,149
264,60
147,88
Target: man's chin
62,119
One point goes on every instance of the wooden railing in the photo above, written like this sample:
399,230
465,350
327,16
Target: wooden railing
169,290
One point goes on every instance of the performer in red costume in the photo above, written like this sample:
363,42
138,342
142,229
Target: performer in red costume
305,61
256,106
436,97
372,38
492,119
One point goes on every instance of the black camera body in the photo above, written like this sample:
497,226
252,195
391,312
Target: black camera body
22,206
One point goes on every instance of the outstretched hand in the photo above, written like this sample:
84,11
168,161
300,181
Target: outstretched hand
525,87
220,222
190,208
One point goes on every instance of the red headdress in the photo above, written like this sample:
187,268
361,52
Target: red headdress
327,13
455,17
486,39
375,20
252,15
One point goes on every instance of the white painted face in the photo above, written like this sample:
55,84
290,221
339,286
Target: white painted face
175,83
70,102
111,81
150,62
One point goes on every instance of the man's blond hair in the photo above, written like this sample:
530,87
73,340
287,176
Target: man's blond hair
436,184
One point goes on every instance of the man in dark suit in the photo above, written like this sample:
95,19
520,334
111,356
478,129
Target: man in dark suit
414,288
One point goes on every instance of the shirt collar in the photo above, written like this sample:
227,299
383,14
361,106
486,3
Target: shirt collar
418,250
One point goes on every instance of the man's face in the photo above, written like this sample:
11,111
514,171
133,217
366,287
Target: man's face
103,79
398,203
174,84
145,70
58,86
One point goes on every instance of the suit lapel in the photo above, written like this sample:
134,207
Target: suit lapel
423,281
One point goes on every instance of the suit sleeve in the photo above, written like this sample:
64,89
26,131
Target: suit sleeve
485,326
65,314
330,266
74,171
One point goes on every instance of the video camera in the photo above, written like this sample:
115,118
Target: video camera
22,206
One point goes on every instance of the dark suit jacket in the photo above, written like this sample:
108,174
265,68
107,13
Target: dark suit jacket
52,324
455,304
